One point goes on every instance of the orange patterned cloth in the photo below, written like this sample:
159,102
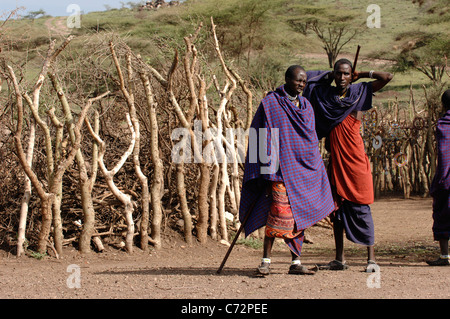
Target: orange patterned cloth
280,222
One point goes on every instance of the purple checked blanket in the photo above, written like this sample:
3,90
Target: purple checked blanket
441,179
283,137
329,109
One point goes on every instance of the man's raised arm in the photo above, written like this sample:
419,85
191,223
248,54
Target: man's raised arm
381,78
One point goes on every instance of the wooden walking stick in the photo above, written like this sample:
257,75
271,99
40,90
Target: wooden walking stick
247,215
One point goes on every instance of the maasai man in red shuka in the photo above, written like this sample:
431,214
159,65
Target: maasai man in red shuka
285,186
440,187
338,110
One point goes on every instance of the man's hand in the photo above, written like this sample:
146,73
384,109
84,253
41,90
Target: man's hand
329,78
355,76
381,78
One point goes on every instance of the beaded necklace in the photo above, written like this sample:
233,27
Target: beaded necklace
343,95
293,99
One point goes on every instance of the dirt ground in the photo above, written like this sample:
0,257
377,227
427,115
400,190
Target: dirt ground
403,241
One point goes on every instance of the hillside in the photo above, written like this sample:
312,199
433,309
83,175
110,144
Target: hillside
275,44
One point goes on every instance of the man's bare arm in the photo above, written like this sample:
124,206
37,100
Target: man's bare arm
381,78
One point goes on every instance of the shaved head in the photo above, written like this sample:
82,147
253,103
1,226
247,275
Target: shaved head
290,72
343,61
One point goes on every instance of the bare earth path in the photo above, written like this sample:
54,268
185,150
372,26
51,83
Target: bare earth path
403,242
58,26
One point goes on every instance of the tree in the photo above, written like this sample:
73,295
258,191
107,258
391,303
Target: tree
334,28
244,24
34,14
426,53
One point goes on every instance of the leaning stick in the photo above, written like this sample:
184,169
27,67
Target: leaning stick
247,215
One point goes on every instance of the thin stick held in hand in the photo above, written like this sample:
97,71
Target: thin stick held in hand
234,242
247,215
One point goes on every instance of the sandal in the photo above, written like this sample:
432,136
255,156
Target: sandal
334,265
263,269
439,262
298,269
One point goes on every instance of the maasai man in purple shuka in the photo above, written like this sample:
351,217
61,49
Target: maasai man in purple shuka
440,187
338,111
285,186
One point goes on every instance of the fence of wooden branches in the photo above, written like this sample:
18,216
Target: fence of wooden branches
401,147
93,151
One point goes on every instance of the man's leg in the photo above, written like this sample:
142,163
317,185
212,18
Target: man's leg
297,268
371,264
264,268
357,221
268,243
338,263
444,258
294,256
370,253
338,229
443,245
441,223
